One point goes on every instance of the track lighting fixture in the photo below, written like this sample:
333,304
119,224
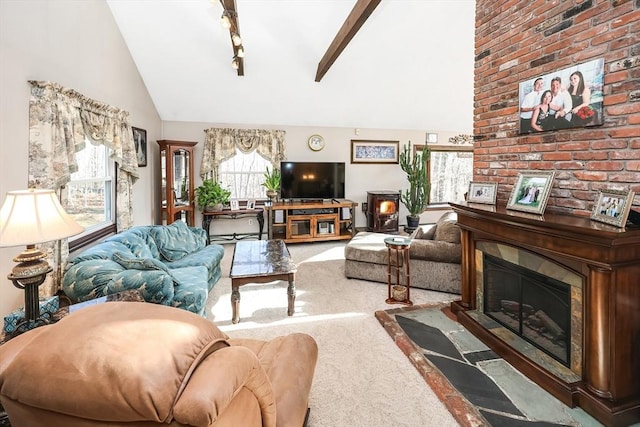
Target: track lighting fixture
224,20
229,20
236,39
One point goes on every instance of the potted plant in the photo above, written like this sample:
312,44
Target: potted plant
211,196
414,198
272,182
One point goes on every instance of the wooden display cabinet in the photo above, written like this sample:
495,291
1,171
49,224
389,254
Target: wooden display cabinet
176,169
311,221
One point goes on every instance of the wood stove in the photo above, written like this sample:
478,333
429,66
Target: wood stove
600,266
383,208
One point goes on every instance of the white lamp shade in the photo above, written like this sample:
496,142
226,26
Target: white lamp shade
34,216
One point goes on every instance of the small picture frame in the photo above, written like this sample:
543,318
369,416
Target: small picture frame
251,204
432,138
612,207
235,205
140,142
482,192
531,192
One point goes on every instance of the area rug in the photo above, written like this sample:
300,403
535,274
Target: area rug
477,386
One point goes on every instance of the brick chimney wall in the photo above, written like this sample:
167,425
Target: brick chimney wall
517,40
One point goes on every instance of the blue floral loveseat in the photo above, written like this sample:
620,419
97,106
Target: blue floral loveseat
168,264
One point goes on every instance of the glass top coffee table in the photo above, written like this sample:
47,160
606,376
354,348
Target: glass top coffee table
261,261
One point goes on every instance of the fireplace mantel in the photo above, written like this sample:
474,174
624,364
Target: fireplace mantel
608,258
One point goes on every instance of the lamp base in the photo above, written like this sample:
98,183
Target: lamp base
29,274
25,325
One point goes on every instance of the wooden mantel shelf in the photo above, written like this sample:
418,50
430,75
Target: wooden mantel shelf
608,259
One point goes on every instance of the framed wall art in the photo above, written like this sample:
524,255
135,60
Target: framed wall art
567,98
531,192
612,207
482,192
374,151
140,142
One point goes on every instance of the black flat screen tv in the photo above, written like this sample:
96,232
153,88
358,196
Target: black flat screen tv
312,180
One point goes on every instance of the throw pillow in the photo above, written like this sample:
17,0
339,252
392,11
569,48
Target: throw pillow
421,234
448,231
175,241
130,262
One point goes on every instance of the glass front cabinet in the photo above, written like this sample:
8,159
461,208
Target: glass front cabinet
176,169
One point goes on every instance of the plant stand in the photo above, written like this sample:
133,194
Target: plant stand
398,293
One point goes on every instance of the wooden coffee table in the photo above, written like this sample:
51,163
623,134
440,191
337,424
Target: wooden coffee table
261,261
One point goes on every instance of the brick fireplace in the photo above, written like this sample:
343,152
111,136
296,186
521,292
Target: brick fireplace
585,344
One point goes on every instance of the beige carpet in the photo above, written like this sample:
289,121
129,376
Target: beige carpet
362,378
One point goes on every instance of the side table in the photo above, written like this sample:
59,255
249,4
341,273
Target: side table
398,293
207,217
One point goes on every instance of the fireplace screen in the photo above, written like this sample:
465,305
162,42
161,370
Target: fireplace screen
534,306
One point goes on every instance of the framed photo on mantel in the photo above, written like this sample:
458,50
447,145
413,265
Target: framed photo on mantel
531,192
612,207
482,192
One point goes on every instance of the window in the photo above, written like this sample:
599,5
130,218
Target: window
243,174
450,170
91,193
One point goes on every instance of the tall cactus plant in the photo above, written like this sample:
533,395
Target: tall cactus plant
414,165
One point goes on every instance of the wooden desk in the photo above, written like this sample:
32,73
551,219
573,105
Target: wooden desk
207,217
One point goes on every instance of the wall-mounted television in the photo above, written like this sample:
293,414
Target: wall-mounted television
312,180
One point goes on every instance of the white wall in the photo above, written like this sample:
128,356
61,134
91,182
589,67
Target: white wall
76,44
360,178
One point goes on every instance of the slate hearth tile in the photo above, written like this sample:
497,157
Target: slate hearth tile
497,420
480,356
435,318
467,342
533,401
478,388
428,338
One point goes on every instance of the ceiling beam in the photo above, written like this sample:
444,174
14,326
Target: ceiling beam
230,6
360,13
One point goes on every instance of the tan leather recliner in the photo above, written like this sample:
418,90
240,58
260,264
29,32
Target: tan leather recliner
140,364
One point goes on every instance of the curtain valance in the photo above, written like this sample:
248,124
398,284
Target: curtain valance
220,144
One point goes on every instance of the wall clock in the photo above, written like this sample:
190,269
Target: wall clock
316,142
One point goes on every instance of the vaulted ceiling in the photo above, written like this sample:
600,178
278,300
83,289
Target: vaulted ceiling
410,65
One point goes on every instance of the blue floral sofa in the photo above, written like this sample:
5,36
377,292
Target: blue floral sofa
168,264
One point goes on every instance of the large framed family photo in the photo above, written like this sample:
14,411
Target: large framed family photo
567,98
612,207
531,192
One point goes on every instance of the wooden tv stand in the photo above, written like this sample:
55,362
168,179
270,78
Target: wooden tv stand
303,221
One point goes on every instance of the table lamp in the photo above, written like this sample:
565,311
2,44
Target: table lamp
28,217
